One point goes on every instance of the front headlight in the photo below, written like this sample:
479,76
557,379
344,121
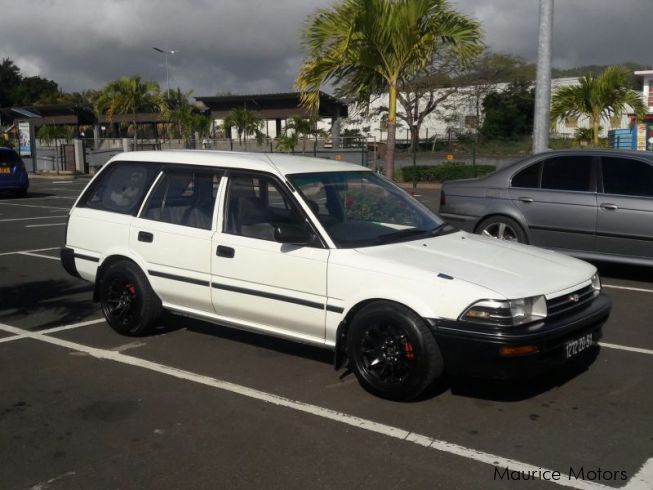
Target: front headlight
506,313
596,284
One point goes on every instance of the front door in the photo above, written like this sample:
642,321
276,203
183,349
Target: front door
257,281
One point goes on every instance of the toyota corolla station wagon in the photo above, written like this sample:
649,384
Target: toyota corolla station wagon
330,254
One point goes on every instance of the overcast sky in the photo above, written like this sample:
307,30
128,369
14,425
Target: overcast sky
252,46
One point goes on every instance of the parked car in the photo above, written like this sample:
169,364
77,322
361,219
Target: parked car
330,254
592,204
13,176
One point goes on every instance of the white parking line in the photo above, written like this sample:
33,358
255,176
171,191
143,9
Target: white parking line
47,224
26,219
31,206
62,181
39,255
12,338
70,327
29,251
628,288
643,477
626,348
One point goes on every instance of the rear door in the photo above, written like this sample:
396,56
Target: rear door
173,235
557,197
625,212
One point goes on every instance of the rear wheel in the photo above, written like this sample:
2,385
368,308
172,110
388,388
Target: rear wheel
502,228
129,304
392,352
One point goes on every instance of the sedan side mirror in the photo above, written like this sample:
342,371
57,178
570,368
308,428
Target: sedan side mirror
293,234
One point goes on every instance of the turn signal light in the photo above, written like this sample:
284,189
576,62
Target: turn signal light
522,350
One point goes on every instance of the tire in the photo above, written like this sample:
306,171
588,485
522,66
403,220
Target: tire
392,352
502,228
129,304
21,193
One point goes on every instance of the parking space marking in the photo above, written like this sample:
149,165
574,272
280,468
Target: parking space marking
72,326
26,219
30,254
46,224
628,288
29,251
31,206
12,338
626,348
325,413
63,182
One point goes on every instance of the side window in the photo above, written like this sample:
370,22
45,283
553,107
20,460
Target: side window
184,197
568,173
256,206
528,177
121,188
627,177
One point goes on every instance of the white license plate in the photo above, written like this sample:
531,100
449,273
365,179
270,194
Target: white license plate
578,345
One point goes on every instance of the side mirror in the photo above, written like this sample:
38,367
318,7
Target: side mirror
293,234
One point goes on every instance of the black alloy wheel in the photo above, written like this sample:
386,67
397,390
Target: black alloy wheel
128,302
392,352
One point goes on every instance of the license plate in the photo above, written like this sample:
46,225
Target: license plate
5,170
578,345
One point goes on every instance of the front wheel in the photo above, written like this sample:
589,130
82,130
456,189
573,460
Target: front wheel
129,304
392,352
502,228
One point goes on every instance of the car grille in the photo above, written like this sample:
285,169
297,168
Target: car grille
570,303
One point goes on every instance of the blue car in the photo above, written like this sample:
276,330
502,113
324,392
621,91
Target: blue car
13,176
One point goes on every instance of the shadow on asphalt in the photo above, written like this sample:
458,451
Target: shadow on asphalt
625,271
257,340
30,195
51,297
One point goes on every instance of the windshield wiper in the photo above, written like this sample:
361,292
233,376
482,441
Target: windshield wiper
403,234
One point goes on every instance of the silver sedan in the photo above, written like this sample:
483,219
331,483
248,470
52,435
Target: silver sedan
593,204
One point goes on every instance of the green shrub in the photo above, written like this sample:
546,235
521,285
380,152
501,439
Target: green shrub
444,172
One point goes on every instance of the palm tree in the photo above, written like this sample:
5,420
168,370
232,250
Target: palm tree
246,123
604,96
128,96
370,46
303,127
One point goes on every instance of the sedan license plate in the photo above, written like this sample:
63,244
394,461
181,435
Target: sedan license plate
578,345
5,170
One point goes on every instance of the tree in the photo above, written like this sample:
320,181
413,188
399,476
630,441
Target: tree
10,78
185,117
605,96
35,90
509,114
129,95
304,128
246,123
369,47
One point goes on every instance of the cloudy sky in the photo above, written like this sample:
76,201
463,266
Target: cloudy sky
252,46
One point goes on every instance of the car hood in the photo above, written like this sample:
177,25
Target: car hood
510,269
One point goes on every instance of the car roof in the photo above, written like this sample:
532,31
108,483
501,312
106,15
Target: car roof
278,163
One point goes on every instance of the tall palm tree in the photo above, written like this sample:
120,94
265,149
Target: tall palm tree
304,127
129,95
605,96
369,47
246,123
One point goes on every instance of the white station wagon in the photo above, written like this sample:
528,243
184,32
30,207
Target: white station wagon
330,254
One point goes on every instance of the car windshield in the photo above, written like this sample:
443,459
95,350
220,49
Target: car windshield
362,209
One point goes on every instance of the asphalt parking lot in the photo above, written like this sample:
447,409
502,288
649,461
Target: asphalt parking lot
201,406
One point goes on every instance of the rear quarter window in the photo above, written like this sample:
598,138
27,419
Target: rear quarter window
121,188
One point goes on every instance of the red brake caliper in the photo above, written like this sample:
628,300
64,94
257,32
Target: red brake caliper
132,289
408,350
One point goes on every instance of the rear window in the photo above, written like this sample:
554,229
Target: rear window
9,157
121,188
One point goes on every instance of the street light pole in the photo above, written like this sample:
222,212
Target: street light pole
541,121
415,138
166,53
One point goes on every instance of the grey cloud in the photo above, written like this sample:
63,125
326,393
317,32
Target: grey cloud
253,45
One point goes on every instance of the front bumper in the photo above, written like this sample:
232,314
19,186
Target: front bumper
475,350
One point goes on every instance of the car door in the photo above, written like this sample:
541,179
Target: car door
173,234
625,212
557,197
257,281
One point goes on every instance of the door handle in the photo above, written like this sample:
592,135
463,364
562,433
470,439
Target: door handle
227,252
144,236
525,199
609,206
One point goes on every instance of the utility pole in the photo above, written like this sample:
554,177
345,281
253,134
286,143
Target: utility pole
166,53
541,121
